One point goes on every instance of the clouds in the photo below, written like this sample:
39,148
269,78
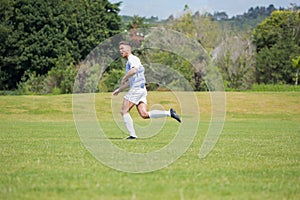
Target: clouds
164,8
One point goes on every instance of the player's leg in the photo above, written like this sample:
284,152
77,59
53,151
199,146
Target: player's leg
126,107
142,109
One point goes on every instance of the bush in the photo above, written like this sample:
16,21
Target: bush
275,88
60,78
57,81
31,83
110,81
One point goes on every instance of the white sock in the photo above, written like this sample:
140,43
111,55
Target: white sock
129,124
159,113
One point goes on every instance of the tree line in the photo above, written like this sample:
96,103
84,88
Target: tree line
44,42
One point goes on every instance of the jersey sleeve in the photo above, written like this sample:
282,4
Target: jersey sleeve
134,62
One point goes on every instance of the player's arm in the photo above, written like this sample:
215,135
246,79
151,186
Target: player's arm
121,88
129,74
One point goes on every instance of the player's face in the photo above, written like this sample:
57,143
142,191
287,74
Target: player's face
124,50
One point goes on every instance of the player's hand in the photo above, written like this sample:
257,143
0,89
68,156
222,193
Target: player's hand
116,92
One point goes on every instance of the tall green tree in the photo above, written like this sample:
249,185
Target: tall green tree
37,35
277,40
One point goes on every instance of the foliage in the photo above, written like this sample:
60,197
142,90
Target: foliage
235,58
166,69
208,34
61,78
31,84
87,80
249,19
111,80
136,22
278,41
128,20
43,42
36,34
162,69
296,66
56,81
275,88
199,27
112,76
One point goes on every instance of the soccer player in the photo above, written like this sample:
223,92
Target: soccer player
137,94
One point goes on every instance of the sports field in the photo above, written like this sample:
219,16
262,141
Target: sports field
256,157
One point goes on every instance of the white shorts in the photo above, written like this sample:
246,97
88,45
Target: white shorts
137,95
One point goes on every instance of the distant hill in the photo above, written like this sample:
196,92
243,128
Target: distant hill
244,22
248,20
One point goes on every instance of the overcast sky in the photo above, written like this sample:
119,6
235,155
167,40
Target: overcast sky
164,8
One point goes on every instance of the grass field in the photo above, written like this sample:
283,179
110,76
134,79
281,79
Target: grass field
256,157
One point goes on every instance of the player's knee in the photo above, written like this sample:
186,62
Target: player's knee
144,115
123,112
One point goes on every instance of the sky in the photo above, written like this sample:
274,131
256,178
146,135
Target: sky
164,8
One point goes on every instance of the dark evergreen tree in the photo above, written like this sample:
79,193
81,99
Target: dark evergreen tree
277,40
38,35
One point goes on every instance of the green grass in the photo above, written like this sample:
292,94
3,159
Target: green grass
256,157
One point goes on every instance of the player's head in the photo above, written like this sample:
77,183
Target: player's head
125,49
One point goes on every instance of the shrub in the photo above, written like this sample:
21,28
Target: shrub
275,88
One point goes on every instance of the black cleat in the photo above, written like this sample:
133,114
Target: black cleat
174,115
131,138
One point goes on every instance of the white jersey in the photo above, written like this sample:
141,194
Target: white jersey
138,80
